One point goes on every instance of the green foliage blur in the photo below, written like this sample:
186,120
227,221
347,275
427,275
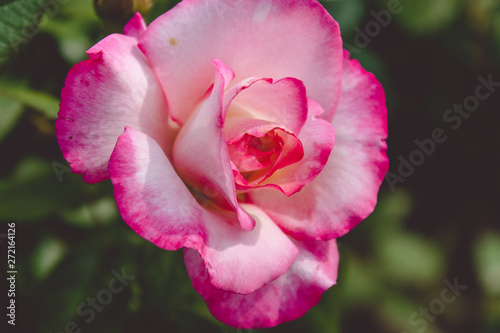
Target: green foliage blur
438,225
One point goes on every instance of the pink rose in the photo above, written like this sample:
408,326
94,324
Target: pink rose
241,131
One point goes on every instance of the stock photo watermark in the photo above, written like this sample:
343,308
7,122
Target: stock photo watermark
454,117
420,320
372,29
88,308
10,238
60,169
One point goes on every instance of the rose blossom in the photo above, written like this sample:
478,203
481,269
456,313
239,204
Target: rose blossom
241,131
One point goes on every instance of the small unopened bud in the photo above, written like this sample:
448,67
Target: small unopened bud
120,11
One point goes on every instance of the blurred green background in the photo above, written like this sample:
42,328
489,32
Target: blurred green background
440,224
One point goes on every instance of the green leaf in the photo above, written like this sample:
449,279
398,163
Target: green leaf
428,16
37,100
408,258
10,112
487,262
47,255
18,24
102,211
34,191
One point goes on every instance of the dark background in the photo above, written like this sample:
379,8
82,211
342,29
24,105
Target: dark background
436,223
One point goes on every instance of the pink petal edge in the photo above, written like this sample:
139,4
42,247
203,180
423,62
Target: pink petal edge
99,99
285,299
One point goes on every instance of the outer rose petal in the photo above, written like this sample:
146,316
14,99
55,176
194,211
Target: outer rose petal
265,38
284,299
345,192
116,87
156,204
201,155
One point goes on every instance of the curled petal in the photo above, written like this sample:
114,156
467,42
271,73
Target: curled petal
283,102
260,149
201,155
317,138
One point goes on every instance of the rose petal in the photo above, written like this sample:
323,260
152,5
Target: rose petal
100,97
157,205
266,38
283,102
244,261
280,149
135,27
345,192
317,138
151,197
362,113
201,155
284,299
277,100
